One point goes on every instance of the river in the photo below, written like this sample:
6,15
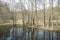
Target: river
31,34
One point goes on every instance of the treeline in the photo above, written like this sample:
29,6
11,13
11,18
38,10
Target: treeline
49,15
6,14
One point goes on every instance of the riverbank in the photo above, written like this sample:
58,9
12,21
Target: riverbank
9,25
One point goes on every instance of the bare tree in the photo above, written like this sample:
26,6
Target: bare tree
51,12
28,10
51,3
58,13
44,14
50,15
14,16
22,12
36,11
32,8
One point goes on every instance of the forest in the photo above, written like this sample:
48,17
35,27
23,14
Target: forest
36,12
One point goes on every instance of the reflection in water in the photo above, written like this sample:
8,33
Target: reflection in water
55,36
31,34
40,35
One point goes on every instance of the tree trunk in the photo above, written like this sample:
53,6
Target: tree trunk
44,14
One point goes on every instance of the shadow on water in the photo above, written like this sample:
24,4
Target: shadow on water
31,34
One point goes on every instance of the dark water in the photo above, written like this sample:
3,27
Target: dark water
31,34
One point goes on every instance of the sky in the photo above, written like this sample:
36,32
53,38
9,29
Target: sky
8,1
40,6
